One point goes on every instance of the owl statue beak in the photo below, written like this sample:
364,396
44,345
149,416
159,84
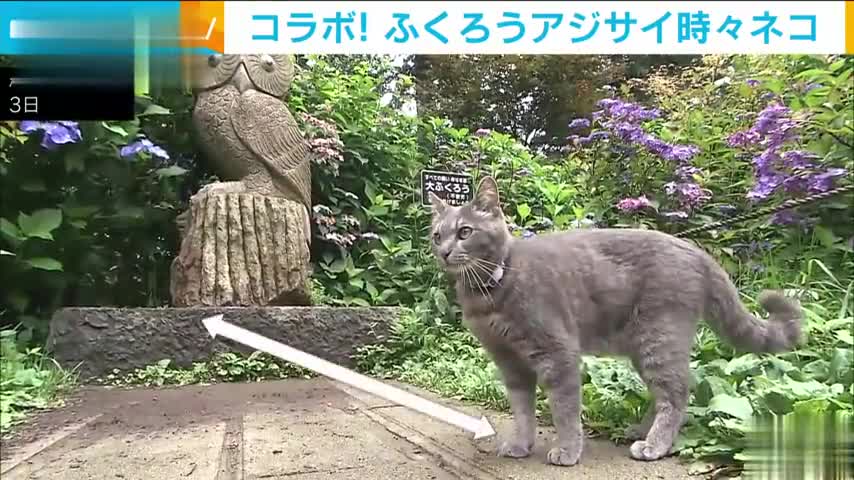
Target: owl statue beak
241,79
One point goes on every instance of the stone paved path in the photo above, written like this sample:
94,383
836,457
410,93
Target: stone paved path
288,430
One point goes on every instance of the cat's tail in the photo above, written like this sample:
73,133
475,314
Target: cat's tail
731,320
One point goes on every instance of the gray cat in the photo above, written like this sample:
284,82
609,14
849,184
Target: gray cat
537,305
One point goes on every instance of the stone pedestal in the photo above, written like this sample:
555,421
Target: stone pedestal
242,249
102,339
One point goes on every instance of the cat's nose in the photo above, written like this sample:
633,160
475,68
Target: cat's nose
445,254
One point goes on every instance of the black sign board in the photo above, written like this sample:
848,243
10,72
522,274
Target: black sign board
454,188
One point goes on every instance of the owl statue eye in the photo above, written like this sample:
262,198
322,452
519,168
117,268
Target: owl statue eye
267,62
214,60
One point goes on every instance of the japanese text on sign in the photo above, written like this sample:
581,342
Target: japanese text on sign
536,27
454,188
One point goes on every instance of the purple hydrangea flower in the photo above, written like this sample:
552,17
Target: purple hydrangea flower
579,123
743,139
680,153
786,217
627,132
823,182
482,132
688,194
633,204
765,161
55,133
143,145
765,186
752,82
799,159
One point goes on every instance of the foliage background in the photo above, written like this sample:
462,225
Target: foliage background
82,224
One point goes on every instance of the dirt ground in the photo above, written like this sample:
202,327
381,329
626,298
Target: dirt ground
293,429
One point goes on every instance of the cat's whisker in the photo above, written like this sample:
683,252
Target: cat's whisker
493,264
475,278
469,276
489,271
481,285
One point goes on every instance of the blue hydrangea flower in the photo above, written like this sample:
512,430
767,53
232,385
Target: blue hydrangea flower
55,133
143,145
579,123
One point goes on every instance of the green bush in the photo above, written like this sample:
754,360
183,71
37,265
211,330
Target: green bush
677,149
87,213
28,379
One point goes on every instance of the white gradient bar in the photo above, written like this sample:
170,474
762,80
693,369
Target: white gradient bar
65,30
56,82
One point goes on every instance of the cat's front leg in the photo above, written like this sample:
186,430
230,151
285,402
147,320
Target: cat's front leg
561,377
521,384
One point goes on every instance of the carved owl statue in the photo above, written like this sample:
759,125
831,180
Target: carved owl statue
245,129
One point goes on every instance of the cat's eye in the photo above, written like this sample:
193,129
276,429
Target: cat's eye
464,233
436,238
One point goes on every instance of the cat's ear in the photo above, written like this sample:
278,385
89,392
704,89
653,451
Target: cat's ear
486,200
438,204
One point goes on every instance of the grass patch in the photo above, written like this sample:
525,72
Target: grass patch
28,380
223,367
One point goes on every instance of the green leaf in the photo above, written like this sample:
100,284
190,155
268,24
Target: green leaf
172,171
130,212
825,236
358,301
34,186
710,387
743,364
738,407
45,263
10,229
845,337
41,223
155,110
524,211
115,129
813,405
338,266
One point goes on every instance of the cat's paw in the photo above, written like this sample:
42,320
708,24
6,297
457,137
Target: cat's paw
645,451
636,432
514,449
563,456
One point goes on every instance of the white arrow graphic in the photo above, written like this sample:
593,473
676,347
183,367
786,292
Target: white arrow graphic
480,427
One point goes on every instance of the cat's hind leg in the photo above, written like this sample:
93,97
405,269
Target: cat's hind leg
639,430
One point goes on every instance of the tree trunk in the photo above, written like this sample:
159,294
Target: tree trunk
242,249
